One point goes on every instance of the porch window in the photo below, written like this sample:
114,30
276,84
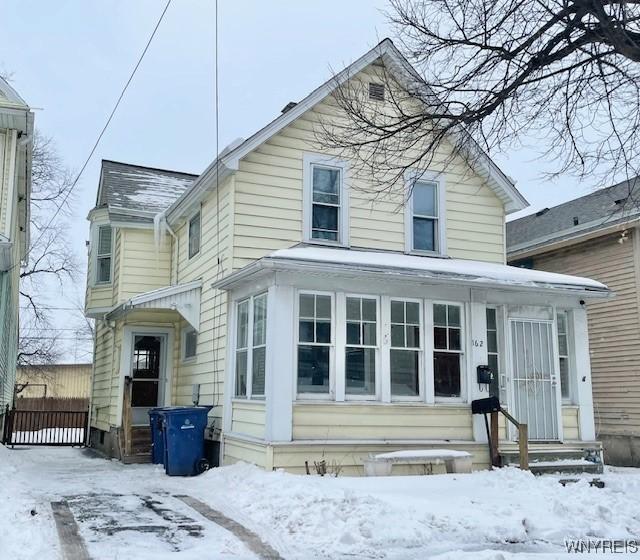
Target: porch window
251,346
326,203
405,348
314,343
103,254
563,353
447,354
194,235
361,346
242,347
493,354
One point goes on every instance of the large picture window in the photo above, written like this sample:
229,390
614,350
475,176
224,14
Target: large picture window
314,343
251,346
405,348
447,353
361,346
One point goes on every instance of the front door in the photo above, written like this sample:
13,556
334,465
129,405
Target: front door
147,376
535,389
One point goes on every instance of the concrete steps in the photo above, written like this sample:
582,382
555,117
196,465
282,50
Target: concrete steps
551,459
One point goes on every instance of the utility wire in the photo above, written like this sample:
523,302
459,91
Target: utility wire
106,125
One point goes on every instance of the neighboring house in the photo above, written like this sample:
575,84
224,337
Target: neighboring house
320,324
16,135
597,236
55,381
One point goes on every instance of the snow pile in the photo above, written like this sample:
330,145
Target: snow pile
507,511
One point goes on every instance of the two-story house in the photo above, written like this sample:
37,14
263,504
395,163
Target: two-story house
320,323
16,136
597,235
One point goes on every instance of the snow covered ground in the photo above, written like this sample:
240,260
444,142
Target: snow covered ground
497,515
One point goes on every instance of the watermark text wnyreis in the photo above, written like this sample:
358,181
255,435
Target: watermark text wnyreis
603,546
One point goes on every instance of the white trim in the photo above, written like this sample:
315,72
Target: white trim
584,394
309,160
411,178
191,258
126,361
93,250
464,356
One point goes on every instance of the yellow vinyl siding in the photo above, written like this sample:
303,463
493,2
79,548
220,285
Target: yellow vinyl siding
142,266
101,296
269,201
239,450
208,367
570,426
361,421
248,418
614,327
103,399
61,380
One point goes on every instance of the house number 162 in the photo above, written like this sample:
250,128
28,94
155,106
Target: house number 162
478,343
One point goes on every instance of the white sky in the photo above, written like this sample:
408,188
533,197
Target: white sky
71,58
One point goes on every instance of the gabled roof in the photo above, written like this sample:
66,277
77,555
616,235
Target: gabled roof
9,96
137,193
402,70
587,215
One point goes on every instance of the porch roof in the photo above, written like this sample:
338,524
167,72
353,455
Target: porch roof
183,298
427,269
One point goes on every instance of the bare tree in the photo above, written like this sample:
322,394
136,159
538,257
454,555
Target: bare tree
563,74
51,261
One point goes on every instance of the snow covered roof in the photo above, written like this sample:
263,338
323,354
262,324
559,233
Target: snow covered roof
142,191
451,271
405,73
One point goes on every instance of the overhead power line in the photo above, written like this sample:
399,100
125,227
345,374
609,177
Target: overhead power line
106,125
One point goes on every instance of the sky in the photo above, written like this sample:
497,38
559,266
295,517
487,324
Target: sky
70,59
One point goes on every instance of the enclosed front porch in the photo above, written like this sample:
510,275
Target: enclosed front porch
347,351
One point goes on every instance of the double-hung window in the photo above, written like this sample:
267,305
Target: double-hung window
447,350
361,351
405,348
563,353
194,235
251,346
326,204
104,251
425,214
314,343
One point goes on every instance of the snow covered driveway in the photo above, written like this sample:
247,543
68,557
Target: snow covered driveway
132,512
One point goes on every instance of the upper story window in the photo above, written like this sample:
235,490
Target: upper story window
326,203
104,251
425,216
194,235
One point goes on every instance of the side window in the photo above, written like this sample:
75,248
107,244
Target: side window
242,347
259,345
189,345
251,346
314,343
405,348
326,204
104,251
194,235
447,350
563,353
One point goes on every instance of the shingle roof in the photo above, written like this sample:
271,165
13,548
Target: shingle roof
603,208
140,189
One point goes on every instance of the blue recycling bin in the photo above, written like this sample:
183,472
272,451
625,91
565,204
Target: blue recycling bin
183,434
157,436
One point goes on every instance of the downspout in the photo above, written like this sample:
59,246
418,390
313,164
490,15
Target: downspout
160,225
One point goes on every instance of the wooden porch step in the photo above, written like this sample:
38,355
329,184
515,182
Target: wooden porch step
136,458
557,458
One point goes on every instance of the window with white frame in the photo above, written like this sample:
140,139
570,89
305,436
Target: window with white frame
497,388
104,251
563,353
447,350
314,343
251,346
326,203
424,215
189,344
405,348
194,235
361,351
